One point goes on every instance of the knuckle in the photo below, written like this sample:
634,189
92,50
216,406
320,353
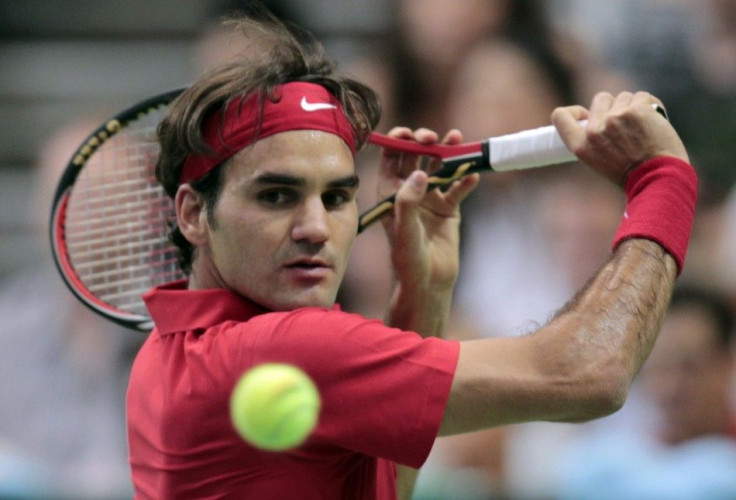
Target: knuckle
602,95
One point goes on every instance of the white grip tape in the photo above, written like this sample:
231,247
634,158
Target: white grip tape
537,147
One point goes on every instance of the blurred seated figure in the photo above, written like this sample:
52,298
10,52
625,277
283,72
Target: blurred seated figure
64,368
504,86
432,40
688,450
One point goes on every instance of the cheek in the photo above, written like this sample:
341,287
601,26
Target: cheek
348,228
343,235
237,242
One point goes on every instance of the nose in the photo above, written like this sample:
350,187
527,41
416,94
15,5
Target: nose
310,222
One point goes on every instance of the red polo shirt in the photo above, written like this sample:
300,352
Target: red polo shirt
383,398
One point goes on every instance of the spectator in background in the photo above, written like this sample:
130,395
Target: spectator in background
62,405
432,39
423,74
724,256
689,450
685,52
578,212
504,87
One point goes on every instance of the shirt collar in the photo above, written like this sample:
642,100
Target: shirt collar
175,308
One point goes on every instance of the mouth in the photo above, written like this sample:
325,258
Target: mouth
307,263
308,268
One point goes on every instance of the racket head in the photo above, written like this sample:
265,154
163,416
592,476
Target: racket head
110,217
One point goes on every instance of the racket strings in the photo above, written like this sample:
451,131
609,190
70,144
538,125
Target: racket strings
118,219
86,229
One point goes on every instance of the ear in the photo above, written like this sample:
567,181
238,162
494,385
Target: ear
191,216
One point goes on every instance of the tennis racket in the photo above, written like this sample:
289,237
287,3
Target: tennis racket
110,217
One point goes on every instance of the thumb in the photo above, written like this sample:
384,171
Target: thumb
407,227
412,190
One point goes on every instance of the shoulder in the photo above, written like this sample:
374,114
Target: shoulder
322,337
316,322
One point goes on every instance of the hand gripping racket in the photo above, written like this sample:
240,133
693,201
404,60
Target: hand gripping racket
110,217
540,147
528,149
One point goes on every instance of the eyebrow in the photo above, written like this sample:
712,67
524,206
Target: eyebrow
349,181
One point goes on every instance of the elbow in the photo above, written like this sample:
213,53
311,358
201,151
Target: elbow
608,398
600,395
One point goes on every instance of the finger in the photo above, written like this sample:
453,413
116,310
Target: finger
398,133
407,164
413,189
566,121
408,197
410,162
452,137
460,189
401,133
599,108
621,102
390,163
425,136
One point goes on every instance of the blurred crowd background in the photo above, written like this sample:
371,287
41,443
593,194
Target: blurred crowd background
530,239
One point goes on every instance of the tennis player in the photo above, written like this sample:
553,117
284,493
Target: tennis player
259,158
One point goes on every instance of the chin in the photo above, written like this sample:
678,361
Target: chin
309,299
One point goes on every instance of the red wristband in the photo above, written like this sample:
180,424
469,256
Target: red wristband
660,205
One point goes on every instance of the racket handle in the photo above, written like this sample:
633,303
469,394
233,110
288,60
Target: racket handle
528,149
539,147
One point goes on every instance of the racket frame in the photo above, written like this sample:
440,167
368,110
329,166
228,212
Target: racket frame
74,167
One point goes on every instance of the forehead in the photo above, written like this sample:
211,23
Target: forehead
310,153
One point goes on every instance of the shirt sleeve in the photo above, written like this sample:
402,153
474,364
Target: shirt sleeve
383,390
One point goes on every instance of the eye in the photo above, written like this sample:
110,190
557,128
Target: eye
277,197
335,199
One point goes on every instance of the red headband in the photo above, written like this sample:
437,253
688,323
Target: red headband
299,106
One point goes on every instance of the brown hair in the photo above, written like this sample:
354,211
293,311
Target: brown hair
276,54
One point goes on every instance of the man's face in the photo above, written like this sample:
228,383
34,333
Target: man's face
688,376
284,223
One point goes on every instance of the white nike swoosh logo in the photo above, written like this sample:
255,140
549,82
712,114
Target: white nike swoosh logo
315,106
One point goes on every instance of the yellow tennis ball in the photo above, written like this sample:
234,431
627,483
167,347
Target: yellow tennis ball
275,406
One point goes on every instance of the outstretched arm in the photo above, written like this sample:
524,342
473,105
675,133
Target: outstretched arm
580,366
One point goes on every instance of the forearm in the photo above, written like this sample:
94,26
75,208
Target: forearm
580,365
601,338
